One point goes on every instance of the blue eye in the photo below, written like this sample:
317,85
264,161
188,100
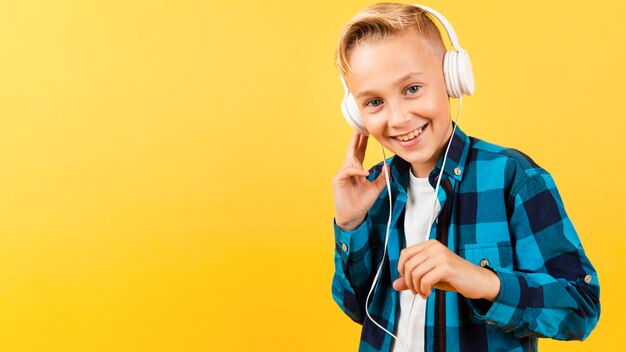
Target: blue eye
413,89
374,103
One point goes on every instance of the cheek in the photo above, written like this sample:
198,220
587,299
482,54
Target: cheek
436,107
374,125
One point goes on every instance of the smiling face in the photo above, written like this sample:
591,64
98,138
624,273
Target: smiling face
399,87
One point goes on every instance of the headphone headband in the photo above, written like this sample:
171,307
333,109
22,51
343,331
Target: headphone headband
451,33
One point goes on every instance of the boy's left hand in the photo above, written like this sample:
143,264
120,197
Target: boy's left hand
431,264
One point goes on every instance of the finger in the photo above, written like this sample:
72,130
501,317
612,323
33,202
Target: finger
348,172
381,181
429,280
352,146
352,162
361,148
408,252
414,279
412,264
400,284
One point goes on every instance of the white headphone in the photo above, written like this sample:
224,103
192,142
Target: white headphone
457,71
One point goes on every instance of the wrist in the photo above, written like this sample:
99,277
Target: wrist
492,285
349,225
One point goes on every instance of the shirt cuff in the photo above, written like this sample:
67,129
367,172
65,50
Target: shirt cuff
353,245
504,311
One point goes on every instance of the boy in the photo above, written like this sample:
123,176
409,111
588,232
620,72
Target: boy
503,258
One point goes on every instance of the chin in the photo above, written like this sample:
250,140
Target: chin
413,158
417,156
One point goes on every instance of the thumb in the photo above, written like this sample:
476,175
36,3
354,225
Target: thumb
400,284
381,181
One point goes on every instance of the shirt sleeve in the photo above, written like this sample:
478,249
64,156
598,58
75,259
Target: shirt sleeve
353,268
553,290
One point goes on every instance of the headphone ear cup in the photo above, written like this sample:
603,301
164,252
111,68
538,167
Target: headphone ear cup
454,61
352,115
466,74
449,73
459,77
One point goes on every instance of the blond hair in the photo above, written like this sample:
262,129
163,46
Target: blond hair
383,20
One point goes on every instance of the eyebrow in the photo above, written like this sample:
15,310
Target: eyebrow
400,80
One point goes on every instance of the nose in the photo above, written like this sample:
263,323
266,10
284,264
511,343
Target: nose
398,115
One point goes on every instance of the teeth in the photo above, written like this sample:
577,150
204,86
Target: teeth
410,135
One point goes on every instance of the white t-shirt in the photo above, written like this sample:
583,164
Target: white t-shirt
419,208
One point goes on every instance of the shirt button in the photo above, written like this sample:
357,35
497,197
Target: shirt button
484,262
587,278
344,247
457,171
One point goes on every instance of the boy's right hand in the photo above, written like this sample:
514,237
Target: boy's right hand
354,194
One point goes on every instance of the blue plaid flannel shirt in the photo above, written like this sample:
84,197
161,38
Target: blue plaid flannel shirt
499,210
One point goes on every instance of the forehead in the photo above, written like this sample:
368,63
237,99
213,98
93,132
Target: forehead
378,63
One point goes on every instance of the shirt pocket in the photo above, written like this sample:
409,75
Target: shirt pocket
495,254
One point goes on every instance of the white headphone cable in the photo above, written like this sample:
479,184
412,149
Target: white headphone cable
384,252
443,165
389,225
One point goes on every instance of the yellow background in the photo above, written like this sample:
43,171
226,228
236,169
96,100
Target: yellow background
167,165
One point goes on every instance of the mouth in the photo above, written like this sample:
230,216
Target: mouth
411,136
